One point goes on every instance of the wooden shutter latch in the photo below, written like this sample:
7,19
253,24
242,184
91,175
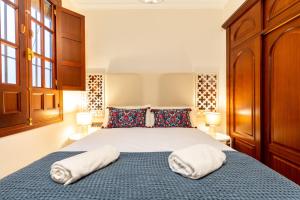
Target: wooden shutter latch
29,121
23,28
29,54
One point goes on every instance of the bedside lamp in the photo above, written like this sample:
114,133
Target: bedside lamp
84,119
213,119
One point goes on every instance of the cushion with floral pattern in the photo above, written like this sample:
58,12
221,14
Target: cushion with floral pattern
172,118
126,118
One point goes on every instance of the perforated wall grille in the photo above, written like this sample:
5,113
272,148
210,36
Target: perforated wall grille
95,92
206,94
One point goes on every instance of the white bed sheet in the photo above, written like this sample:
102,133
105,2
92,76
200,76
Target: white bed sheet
145,139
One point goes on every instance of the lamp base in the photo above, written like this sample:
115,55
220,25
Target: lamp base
84,130
212,131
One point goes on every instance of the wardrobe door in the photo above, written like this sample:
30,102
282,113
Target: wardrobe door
282,100
244,98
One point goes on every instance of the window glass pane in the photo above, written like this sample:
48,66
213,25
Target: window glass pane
11,24
33,75
48,74
11,71
35,9
48,14
36,37
8,65
8,23
3,64
2,16
48,44
36,72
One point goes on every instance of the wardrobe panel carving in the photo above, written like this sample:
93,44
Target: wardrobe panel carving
246,26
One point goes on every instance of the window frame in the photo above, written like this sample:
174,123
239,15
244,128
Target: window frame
15,122
16,111
15,45
42,56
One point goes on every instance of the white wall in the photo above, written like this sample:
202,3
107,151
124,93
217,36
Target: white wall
150,89
158,41
153,41
150,41
231,7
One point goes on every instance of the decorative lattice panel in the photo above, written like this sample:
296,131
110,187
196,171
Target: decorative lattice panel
95,92
206,96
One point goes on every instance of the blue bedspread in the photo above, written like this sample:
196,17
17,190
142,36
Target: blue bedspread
145,176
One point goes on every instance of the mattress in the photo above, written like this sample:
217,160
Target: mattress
146,139
146,176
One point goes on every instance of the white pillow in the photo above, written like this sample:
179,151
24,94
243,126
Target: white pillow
148,113
193,114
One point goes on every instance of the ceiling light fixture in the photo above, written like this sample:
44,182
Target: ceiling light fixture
152,1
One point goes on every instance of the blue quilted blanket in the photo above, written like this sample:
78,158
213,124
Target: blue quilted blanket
145,176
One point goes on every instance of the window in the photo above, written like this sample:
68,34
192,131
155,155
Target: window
9,44
42,40
30,85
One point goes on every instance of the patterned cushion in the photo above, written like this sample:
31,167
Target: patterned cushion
172,118
126,118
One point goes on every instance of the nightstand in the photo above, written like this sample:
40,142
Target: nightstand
221,137
78,136
225,139
95,127
75,137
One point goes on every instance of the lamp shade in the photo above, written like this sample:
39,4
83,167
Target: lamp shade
212,118
83,118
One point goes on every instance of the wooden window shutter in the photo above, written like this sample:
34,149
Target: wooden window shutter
70,49
13,83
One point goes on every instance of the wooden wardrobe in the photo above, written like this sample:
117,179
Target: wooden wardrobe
263,83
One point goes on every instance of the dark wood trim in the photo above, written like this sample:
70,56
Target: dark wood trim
228,81
40,23
237,14
56,2
24,127
14,5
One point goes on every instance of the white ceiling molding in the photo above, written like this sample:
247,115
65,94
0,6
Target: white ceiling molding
138,4
152,1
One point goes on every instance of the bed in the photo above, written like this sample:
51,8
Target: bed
142,171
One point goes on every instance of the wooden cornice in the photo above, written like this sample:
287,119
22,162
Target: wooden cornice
237,14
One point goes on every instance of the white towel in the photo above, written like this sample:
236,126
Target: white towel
71,169
196,161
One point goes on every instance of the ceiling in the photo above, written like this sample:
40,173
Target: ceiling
137,4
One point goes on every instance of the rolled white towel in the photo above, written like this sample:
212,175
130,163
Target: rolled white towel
196,161
72,169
